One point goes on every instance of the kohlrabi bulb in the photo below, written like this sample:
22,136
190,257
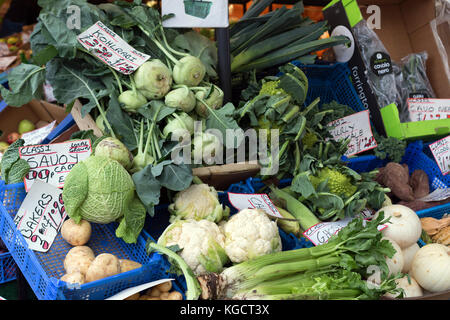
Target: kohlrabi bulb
114,149
214,101
189,71
100,123
181,121
153,79
181,98
132,100
206,146
140,161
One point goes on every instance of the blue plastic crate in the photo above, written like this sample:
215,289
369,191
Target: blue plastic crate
436,212
414,157
7,267
43,270
331,82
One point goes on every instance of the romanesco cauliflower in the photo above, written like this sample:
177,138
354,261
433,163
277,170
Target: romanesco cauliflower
271,88
338,183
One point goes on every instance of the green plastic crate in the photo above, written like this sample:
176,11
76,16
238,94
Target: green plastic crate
419,130
199,9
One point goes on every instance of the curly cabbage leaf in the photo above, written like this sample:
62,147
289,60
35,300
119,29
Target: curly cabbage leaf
100,190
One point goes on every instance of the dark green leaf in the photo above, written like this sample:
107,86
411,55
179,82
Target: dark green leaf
147,188
26,83
176,177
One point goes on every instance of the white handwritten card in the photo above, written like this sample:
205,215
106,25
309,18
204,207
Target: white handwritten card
441,152
357,128
41,216
195,13
428,109
323,231
112,49
52,162
243,201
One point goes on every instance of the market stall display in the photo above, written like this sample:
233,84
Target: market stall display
152,181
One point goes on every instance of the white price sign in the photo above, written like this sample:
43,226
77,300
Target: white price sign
52,162
323,231
357,128
38,135
243,201
41,215
428,109
195,13
112,49
441,152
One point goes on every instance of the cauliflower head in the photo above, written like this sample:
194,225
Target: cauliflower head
198,202
201,243
250,234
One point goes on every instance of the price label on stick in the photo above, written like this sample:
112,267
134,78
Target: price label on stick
323,231
40,216
357,128
112,49
52,162
441,152
243,201
428,109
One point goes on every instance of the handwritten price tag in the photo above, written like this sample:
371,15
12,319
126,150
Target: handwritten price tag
357,128
323,231
441,152
52,162
112,49
243,201
428,109
41,215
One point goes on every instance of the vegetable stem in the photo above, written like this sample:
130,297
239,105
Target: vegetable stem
193,286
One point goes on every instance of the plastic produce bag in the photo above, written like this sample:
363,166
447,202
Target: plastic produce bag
441,30
414,82
378,64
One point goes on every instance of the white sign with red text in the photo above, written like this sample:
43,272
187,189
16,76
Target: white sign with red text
428,109
52,162
41,215
441,152
323,231
357,128
106,45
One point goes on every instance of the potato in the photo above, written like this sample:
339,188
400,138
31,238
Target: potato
420,183
78,258
127,265
165,286
154,292
104,265
76,234
143,297
75,277
175,295
164,296
135,296
153,298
